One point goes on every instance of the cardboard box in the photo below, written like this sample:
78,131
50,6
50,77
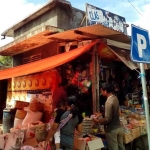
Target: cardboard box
20,104
20,114
95,144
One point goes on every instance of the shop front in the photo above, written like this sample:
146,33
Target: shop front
86,61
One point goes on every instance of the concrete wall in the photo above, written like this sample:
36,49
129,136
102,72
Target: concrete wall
60,17
69,19
78,17
47,50
48,18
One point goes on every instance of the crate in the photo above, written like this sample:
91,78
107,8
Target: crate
20,114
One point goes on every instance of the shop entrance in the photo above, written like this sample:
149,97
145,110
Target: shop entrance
3,96
79,79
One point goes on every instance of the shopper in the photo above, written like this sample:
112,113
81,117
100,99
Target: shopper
113,130
68,127
60,109
60,93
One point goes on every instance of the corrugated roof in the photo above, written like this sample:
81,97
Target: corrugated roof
118,44
96,31
79,34
29,41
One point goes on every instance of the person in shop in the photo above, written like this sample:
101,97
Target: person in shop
111,122
66,125
60,108
126,86
113,79
60,93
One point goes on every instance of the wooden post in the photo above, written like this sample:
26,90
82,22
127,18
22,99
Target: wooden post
94,80
97,80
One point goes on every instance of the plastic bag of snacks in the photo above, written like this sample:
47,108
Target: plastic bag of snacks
14,140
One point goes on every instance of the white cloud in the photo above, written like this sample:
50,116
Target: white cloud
13,11
142,21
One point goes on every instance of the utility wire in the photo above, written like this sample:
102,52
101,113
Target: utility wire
134,8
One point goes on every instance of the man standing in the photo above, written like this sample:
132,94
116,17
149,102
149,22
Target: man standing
113,130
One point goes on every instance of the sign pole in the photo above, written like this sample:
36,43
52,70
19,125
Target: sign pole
146,104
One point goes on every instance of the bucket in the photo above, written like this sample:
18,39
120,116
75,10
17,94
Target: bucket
8,119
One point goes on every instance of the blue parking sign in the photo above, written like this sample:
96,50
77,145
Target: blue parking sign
140,45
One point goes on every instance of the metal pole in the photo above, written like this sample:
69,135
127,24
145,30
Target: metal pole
146,104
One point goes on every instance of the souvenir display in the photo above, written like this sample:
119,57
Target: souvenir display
32,97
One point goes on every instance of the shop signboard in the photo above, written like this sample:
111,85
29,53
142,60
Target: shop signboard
97,15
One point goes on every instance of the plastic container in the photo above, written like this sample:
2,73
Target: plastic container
8,119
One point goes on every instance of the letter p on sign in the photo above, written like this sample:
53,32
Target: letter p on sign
142,45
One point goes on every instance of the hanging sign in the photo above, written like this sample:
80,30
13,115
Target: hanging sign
96,15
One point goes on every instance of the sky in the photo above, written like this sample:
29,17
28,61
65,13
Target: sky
13,11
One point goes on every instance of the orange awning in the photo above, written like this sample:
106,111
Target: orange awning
45,64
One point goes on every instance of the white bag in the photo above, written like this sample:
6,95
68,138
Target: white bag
31,117
17,122
18,128
14,140
39,148
2,141
27,148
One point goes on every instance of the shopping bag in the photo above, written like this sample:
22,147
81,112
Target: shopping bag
48,147
41,132
27,148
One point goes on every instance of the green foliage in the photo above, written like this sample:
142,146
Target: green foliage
6,61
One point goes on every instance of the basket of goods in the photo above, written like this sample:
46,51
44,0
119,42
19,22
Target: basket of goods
127,136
